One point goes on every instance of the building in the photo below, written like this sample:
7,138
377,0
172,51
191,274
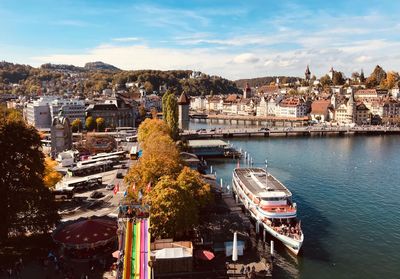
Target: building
37,113
72,109
362,114
61,135
391,108
116,111
320,110
292,107
183,113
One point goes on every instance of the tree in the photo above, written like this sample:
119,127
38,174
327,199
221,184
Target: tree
172,115
148,87
51,176
100,124
26,205
192,182
325,81
76,125
338,78
173,211
376,77
164,103
150,127
390,81
90,123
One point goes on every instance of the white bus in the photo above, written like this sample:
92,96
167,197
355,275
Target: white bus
80,183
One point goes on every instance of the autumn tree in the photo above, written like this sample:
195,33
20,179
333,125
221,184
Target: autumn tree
50,176
76,125
172,209
100,124
26,205
376,77
325,81
390,81
151,127
90,123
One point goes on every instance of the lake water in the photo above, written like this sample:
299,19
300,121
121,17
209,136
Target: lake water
348,195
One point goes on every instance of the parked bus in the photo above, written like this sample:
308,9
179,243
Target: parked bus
120,154
80,183
93,168
114,158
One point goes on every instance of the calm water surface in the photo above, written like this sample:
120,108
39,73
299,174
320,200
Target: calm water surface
348,196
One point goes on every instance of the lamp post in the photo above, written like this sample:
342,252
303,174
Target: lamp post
266,171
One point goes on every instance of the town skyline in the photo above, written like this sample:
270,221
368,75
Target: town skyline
233,40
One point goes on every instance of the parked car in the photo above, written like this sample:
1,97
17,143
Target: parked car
96,195
120,175
110,186
263,129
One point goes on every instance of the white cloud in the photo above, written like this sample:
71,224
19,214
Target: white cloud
126,39
245,58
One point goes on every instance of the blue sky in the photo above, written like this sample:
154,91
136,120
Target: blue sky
234,39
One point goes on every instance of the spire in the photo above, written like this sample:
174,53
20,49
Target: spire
183,99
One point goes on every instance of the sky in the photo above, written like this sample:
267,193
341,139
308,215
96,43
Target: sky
232,39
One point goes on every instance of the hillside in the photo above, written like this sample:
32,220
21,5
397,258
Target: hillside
96,76
98,65
260,81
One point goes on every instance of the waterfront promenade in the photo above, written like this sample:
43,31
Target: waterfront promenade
288,131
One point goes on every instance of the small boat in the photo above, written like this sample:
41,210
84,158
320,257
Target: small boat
269,202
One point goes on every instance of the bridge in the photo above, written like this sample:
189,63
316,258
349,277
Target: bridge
287,131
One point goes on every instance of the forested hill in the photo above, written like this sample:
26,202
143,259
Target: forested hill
260,81
96,76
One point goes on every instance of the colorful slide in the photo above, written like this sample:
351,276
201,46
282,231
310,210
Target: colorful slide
137,250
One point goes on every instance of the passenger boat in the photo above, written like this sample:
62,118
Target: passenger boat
269,202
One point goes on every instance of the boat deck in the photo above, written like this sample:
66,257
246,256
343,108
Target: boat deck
259,185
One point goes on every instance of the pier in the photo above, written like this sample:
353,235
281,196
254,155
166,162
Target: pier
287,131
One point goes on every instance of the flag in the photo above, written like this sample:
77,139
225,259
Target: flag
133,186
140,195
238,164
116,189
125,193
148,188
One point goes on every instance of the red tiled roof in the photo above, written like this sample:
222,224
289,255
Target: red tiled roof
320,106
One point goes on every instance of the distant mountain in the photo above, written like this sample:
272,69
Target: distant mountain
98,65
260,81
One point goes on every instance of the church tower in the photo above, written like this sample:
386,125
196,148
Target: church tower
307,73
183,106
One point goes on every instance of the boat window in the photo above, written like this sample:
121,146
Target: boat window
272,199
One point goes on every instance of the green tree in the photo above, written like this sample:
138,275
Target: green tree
325,81
337,78
26,205
172,115
100,124
164,103
90,123
76,125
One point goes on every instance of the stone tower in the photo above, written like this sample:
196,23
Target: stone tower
307,73
183,104
247,91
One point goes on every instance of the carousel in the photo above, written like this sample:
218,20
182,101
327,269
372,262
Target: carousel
87,238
